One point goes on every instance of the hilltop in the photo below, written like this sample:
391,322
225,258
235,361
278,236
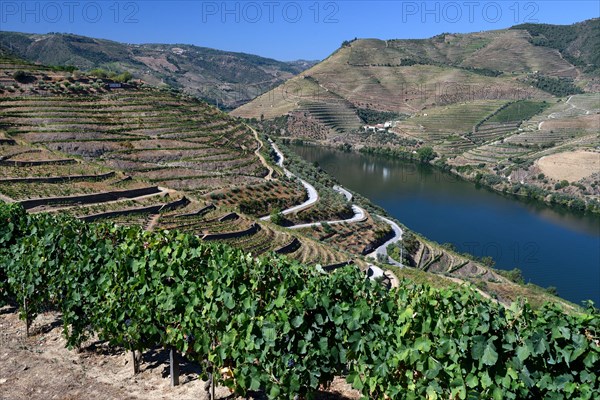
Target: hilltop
222,77
491,105
411,75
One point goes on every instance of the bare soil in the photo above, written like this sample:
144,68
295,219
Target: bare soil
571,166
40,367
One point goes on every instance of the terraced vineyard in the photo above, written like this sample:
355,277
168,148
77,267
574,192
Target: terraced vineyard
356,238
100,155
339,116
567,123
148,134
454,129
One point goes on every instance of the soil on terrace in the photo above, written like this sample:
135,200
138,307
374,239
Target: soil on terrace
572,166
39,367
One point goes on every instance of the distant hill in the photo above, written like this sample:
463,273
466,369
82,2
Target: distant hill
509,109
407,76
227,78
578,43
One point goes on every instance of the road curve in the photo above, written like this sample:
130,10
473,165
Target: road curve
343,191
398,232
359,216
313,195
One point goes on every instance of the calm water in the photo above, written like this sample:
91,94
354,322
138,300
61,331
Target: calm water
551,247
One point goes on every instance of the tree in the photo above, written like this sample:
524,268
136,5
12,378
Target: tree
277,217
124,77
426,154
23,77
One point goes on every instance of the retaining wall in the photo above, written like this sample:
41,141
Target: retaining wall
232,235
333,267
200,212
290,247
140,210
59,179
13,163
90,198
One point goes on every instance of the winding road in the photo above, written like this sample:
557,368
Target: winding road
313,196
398,232
359,215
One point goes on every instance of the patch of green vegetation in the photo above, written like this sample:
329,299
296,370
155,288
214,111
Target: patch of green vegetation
377,117
483,71
23,77
578,43
277,217
519,111
559,87
116,76
477,44
426,154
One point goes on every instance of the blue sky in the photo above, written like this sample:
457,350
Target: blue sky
281,29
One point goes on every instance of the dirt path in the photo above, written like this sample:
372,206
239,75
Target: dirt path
260,156
5,199
152,222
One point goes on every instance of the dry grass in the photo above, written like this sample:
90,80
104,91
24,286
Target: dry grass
571,166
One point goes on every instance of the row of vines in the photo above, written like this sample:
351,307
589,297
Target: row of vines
285,328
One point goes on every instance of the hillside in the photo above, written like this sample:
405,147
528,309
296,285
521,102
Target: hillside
140,156
577,43
225,77
492,105
135,155
411,75
173,267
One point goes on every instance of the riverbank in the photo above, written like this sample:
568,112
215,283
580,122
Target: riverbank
497,183
539,240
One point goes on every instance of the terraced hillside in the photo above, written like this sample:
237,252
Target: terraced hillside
411,75
222,77
490,105
456,77
141,156
149,134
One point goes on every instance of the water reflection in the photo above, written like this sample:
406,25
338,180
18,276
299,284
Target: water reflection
552,246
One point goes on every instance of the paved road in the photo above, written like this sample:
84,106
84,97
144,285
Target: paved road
313,195
359,216
383,248
343,191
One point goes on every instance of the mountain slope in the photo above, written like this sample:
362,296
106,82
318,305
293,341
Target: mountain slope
503,108
228,78
578,43
409,75
137,155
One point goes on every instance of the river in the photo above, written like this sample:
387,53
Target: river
553,247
